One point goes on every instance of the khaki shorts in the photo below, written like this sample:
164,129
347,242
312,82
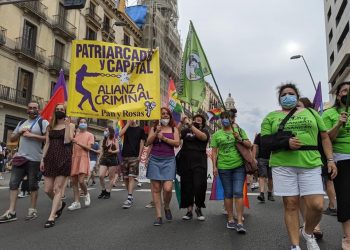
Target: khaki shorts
130,167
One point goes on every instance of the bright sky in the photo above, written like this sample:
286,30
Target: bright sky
249,43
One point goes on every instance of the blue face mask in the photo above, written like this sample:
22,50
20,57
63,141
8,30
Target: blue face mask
83,126
288,101
225,122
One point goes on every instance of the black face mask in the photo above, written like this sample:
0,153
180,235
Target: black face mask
60,115
197,125
33,112
343,99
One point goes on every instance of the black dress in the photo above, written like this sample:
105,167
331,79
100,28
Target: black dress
58,158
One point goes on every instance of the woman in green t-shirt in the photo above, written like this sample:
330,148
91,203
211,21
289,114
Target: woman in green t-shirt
228,164
296,171
334,119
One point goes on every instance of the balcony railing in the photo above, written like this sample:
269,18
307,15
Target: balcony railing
108,33
93,18
17,96
35,7
2,35
61,26
56,64
26,48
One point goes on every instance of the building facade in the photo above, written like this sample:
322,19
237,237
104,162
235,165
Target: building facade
35,43
160,30
337,17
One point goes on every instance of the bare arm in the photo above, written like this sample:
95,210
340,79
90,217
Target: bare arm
328,150
199,134
214,153
173,142
151,137
47,144
255,150
69,132
122,132
142,144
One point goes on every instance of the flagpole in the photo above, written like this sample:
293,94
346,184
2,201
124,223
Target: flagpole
212,75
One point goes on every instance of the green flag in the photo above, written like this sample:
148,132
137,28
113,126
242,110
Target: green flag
193,70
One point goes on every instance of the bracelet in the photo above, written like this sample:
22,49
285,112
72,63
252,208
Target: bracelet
330,160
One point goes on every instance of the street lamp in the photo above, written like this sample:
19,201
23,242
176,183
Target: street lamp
116,23
301,56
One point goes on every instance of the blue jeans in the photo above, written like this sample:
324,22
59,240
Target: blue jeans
232,182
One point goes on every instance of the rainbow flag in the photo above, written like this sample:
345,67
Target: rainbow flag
174,103
217,191
214,114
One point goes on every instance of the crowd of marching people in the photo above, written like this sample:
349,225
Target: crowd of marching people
300,156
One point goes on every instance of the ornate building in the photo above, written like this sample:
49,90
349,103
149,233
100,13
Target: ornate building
35,43
229,103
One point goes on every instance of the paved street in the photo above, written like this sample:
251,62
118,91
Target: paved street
105,225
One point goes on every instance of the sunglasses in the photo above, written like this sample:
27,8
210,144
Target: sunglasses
31,108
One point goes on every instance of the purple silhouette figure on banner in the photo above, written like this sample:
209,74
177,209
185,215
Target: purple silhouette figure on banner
81,74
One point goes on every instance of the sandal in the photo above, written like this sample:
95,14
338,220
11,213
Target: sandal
49,223
318,234
59,211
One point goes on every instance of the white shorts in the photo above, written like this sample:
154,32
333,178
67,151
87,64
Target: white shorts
92,165
293,181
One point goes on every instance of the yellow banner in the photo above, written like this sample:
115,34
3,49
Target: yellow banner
113,81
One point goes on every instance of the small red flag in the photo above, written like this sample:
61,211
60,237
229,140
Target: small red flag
58,97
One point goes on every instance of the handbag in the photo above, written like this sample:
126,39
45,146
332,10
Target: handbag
279,140
18,161
250,163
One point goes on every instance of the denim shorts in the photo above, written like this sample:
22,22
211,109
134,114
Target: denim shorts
232,181
29,169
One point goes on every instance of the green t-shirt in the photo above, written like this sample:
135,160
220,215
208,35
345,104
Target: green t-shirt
342,143
228,155
304,125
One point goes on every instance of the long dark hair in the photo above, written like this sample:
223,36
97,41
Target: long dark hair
111,135
337,102
306,101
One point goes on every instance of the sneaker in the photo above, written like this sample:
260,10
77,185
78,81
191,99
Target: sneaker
200,216
261,197
74,206
8,217
240,229
345,243
168,214
150,205
295,247
87,200
158,221
231,224
128,203
107,195
102,194
139,184
22,195
311,243
330,211
32,214
271,198
188,216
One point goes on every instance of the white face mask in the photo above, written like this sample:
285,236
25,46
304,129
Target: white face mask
164,122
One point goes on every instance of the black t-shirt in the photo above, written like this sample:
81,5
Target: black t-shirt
262,152
131,144
191,142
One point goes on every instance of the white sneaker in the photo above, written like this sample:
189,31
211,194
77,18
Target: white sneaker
74,206
139,184
311,243
32,214
150,205
87,200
